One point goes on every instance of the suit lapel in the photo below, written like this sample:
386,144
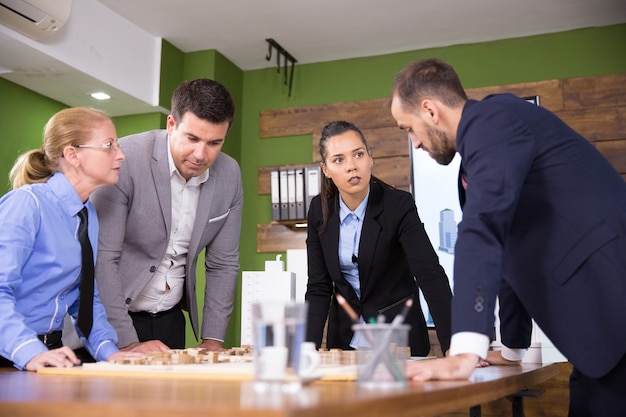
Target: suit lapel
161,174
330,239
369,234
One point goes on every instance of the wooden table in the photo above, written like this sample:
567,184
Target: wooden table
30,394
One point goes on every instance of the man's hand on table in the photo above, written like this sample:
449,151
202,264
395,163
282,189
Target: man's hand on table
212,345
451,367
118,356
146,347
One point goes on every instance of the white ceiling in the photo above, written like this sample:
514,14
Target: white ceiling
311,31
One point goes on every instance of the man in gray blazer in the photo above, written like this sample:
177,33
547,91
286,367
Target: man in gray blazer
177,195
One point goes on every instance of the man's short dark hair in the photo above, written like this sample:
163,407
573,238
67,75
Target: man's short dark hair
205,98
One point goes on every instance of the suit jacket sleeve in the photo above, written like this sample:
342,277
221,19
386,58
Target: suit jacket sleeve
222,252
497,152
515,322
112,204
320,285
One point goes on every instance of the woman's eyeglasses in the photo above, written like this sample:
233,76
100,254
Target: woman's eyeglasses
108,146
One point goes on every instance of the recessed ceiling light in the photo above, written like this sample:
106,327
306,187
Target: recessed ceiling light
100,96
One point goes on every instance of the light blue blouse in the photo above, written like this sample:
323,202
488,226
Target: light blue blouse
350,226
41,259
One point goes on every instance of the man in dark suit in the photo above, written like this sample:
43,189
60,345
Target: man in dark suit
544,226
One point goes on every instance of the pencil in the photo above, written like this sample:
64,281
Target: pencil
405,310
344,304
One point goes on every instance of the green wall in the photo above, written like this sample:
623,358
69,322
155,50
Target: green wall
172,70
23,115
578,53
128,125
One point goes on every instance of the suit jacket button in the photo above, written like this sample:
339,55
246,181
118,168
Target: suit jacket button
128,301
152,268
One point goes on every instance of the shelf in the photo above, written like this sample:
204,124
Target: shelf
277,237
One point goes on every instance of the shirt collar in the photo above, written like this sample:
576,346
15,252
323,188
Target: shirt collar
344,211
66,193
200,179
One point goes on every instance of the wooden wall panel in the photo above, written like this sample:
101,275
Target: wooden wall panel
369,114
606,91
395,171
597,123
306,120
383,142
593,106
550,92
276,237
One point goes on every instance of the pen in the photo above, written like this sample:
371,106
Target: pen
405,310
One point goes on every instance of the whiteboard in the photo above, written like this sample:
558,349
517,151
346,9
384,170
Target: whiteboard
434,188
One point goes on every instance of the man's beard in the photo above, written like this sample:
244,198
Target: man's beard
442,149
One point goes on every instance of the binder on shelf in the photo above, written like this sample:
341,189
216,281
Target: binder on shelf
275,192
300,212
312,184
284,199
291,193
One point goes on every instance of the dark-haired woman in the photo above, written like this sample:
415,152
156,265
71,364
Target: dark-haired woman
366,242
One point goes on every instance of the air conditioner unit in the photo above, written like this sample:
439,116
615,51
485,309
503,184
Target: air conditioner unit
36,19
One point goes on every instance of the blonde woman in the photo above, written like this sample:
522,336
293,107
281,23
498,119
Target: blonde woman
40,252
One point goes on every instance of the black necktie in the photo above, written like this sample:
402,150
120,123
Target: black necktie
85,306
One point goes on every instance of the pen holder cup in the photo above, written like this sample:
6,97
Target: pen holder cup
382,354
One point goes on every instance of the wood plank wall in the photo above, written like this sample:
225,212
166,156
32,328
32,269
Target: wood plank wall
593,106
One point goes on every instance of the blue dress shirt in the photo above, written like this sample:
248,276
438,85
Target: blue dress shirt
41,260
350,226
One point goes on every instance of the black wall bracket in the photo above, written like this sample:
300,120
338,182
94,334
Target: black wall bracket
287,58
